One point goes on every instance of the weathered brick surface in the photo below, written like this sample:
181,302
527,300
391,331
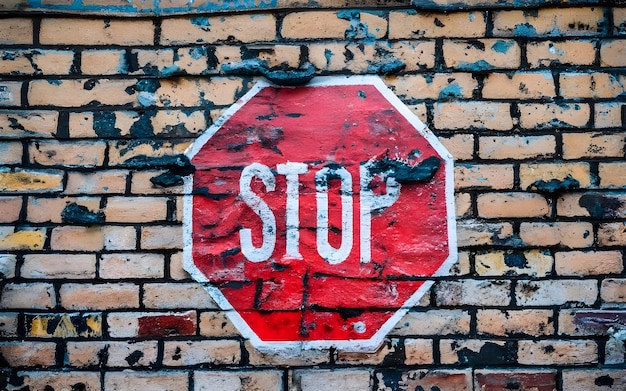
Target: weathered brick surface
98,98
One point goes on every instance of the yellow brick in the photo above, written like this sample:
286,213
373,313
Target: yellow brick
338,25
121,152
608,115
437,86
177,272
520,85
16,31
198,92
194,60
50,266
463,204
184,30
132,265
533,172
135,209
516,147
486,176
536,263
512,205
478,233
141,184
73,238
103,62
36,62
48,210
588,263
71,31
404,24
119,238
597,205
590,145
152,61
551,115
591,85
10,93
549,22
613,290
68,154
505,323
568,234
460,145
177,123
619,20
76,93
572,52
472,115
31,181
612,234
612,174
100,182
172,296
10,208
31,239
75,296
105,124
22,124
482,54
162,237
613,53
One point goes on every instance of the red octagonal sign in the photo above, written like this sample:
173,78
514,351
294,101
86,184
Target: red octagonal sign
317,214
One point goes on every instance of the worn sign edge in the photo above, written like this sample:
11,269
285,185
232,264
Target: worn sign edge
353,345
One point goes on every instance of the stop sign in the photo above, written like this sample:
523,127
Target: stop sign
316,214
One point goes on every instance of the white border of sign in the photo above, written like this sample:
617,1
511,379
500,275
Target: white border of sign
293,348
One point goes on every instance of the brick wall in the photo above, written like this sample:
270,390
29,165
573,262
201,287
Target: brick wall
530,101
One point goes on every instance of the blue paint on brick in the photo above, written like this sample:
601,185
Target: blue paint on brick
197,52
200,22
525,30
454,90
479,65
502,46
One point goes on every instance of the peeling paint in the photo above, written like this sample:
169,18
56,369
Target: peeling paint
553,186
80,214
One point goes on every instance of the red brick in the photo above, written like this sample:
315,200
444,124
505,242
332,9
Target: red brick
151,324
501,380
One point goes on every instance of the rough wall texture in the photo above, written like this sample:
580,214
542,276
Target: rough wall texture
531,103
